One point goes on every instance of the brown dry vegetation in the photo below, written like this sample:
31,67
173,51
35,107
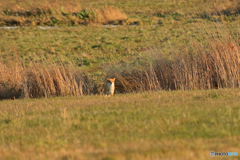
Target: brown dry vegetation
17,81
108,15
227,7
56,13
23,5
218,68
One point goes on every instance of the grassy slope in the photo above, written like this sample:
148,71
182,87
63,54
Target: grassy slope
91,47
154,125
95,47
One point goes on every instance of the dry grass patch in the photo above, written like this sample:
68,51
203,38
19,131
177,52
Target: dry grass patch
227,7
18,81
221,10
11,78
13,6
200,69
108,15
56,13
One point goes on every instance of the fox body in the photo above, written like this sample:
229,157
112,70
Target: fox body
110,86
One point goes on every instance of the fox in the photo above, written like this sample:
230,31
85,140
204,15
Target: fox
110,87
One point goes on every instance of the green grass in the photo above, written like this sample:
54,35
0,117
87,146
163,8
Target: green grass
169,26
150,125
97,47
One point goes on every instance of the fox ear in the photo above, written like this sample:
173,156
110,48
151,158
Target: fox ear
107,79
114,79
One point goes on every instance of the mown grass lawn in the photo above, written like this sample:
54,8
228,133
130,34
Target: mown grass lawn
149,125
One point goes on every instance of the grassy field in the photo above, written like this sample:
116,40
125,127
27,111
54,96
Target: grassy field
160,28
112,51
170,26
167,25
176,48
148,125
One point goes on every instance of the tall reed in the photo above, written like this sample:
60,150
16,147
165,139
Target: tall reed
18,81
217,68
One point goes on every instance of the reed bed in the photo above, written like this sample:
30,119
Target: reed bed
217,68
18,81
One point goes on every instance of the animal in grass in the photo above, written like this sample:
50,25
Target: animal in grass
110,87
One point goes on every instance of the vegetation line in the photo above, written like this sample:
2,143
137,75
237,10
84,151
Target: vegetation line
219,68
195,50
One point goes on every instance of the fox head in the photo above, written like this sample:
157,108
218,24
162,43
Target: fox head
111,80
